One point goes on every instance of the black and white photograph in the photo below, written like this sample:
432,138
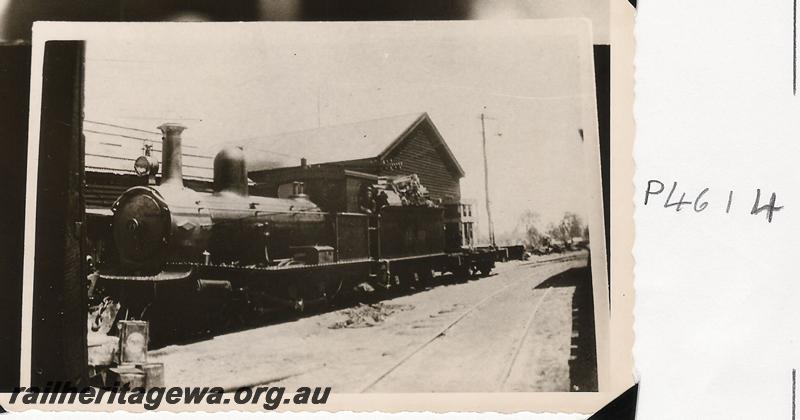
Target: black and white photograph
367,207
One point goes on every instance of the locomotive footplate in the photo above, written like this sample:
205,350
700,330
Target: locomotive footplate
294,285
143,287
166,275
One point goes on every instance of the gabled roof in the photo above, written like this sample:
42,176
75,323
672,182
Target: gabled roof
347,142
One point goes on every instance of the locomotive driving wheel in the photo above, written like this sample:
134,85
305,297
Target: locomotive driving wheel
332,288
311,290
166,322
426,275
485,269
462,272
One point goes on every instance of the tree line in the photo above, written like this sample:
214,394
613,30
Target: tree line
570,227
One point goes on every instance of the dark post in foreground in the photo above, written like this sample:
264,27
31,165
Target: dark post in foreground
58,348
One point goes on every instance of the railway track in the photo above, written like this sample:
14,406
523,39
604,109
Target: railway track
564,258
519,341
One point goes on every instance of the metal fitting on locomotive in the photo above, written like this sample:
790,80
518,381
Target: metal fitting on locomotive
230,172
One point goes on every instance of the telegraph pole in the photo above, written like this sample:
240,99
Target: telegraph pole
486,181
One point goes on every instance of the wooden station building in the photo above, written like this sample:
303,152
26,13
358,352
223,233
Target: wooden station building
334,163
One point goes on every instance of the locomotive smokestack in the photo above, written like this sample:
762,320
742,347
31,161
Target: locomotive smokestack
171,154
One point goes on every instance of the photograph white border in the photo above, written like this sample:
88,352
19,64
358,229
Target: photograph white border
616,328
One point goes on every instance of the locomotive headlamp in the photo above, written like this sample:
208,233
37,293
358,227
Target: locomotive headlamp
145,165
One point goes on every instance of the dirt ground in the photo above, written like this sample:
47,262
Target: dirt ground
527,327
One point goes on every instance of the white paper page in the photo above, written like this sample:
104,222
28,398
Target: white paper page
716,313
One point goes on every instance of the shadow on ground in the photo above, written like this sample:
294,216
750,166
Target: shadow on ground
583,356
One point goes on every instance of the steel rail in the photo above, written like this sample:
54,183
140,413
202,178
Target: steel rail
521,340
440,333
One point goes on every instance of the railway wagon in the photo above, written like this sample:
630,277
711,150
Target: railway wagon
512,252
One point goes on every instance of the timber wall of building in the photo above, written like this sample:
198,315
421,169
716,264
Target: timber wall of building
419,156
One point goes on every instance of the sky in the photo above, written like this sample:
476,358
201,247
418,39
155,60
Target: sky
234,84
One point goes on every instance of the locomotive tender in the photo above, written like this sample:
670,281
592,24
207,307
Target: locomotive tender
172,244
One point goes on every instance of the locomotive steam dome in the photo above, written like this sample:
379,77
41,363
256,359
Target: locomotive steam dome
230,171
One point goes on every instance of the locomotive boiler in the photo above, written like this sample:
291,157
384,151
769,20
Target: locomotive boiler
169,223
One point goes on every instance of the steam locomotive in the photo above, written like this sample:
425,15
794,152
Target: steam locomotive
227,253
